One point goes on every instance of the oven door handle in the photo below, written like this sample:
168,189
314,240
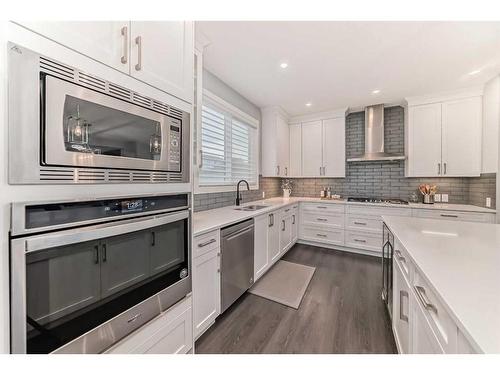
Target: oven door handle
95,232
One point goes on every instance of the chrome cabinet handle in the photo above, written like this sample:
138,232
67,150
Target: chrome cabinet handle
124,32
358,240
278,170
448,215
444,165
201,159
284,225
286,171
420,292
134,318
399,256
104,253
293,219
402,316
321,171
271,220
153,238
359,223
287,210
439,168
138,41
96,254
320,235
323,207
206,243
321,219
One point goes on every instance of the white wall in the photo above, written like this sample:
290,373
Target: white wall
491,121
11,193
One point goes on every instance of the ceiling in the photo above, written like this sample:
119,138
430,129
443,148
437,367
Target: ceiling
339,64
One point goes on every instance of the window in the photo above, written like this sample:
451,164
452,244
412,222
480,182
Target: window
229,146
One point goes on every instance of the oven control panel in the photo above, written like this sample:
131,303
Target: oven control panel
174,147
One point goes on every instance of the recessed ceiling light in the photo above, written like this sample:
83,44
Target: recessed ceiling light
474,72
376,91
284,65
308,104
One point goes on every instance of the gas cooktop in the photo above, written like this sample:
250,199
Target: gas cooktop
376,200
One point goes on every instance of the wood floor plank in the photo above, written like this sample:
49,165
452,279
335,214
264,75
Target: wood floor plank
341,312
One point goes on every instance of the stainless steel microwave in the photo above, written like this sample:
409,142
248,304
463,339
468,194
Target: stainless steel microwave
67,126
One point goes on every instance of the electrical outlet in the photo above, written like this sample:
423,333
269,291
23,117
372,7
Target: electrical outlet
263,194
444,198
488,202
437,197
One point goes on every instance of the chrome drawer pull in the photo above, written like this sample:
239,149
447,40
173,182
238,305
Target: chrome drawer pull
399,256
448,215
320,235
320,219
138,41
134,318
322,207
358,240
124,32
359,223
402,293
420,291
207,242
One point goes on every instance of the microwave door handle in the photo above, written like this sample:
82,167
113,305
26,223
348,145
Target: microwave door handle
96,232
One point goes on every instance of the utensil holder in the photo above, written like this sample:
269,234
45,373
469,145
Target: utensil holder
428,198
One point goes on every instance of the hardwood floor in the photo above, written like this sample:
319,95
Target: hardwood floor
341,312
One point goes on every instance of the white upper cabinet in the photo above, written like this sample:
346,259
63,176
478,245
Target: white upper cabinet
424,140
275,143
462,137
105,41
162,55
443,136
312,155
295,150
334,147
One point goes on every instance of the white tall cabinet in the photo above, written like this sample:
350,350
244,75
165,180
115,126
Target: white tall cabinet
312,153
159,53
295,150
275,143
334,147
443,136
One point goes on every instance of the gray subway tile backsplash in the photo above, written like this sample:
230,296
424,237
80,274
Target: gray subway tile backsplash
377,179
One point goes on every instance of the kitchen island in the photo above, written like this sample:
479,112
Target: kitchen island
446,285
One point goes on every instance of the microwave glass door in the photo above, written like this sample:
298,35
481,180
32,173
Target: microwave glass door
85,128
74,288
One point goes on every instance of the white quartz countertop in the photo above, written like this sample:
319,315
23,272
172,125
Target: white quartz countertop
208,220
461,260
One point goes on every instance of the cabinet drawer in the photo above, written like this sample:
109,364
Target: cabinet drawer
363,223
169,333
333,219
365,241
439,320
321,233
323,207
403,260
454,215
377,211
206,242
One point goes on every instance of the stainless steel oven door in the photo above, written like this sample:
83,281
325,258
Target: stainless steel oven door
82,290
85,128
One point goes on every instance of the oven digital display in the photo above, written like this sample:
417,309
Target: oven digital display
132,206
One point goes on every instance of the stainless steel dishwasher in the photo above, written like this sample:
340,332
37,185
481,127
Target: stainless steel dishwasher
236,261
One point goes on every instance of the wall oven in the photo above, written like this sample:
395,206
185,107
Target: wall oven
68,126
84,274
387,254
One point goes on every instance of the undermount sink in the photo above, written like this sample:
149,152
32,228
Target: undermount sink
253,207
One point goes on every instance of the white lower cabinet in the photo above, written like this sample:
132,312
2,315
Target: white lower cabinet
169,333
423,340
285,233
206,290
401,310
261,258
273,238
295,223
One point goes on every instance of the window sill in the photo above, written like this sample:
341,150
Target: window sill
222,188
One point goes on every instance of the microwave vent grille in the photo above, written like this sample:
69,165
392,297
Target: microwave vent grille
90,175
56,174
65,72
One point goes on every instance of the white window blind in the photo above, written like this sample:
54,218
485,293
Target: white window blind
229,146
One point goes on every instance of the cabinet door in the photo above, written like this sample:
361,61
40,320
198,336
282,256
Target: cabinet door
423,340
285,233
104,41
261,259
162,55
334,147
424,141
312,162
124,261
295,225
61,280
295,150
167,247
401,310
273,238
206,287
283,146
462,137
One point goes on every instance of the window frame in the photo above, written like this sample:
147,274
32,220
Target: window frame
208,96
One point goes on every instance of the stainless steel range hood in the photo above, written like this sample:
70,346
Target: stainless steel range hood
374,137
